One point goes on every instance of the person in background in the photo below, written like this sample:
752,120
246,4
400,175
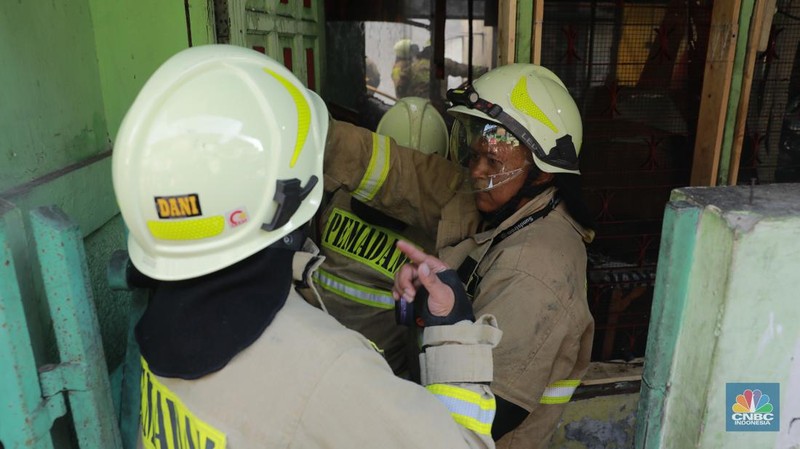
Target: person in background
358,243
372,74
371,107
404,52
510,219
420,72
216,169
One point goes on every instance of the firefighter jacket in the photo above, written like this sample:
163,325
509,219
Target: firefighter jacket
309,382
356,278
533,278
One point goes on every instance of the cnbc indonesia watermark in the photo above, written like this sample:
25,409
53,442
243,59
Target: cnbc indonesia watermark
752,407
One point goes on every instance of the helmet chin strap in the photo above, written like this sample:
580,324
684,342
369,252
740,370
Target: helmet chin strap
493,219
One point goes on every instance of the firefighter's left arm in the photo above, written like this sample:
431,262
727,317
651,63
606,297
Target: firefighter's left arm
399,181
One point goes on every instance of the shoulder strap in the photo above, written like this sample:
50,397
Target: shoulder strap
466,271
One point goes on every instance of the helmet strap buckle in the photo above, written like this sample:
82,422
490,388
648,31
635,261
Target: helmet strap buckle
289,195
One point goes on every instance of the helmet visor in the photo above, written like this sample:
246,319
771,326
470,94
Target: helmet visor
492,154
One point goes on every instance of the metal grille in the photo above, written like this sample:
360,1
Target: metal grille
635,69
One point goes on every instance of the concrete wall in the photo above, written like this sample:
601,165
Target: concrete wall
725,311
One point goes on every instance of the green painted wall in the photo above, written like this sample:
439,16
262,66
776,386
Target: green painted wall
738,321
51,112
71,70
522,51
132,39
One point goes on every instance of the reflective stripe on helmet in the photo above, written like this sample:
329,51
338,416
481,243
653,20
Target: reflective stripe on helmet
468,408
189,229
303,115
559,392
376,171
372,297
523,101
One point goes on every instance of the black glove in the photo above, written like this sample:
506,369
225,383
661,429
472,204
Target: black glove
408,314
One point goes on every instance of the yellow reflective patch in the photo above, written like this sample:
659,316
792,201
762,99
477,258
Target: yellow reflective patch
168,424
190,229
358,240
303,114
522,101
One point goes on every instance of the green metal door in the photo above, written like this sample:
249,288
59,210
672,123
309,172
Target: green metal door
32,395
290,31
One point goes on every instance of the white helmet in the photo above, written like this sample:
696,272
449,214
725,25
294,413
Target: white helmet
529,101
218,157
414,122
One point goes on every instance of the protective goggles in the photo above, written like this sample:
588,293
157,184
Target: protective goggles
493,155
468,97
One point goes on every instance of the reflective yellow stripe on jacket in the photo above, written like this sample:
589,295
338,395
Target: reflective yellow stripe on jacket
376,171
370,245
347,289
166,423
559,392
468,408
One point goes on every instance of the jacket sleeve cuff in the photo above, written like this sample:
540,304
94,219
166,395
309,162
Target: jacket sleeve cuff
460,353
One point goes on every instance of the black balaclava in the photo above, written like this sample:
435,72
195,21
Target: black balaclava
196,326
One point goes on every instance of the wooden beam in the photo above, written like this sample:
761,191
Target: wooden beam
716,86
762,16
506,31
536,38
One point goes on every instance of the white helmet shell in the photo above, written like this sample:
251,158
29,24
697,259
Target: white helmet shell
414,122
204,158
536,99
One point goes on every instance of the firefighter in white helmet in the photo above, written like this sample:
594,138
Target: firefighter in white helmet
415,123
510,219
358,243
217,168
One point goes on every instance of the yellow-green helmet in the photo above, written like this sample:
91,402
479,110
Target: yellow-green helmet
404,48
414,122
529,101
